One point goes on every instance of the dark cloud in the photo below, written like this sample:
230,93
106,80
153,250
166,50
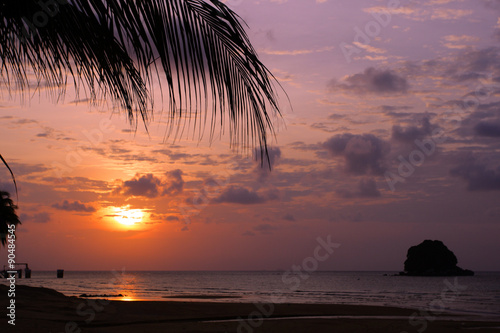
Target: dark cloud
330,127
485,128
373,81
469,76
174,182
26,169
494,4
25,121
478,176
240,195
335,116
300,145
150,186
265,229
477,62
264,161
160,218
367,188
410,133
272,156
395,108
142,186
51,133
289,217
115,150
483,121
82,183
74,206
82,101
119,150
465,67
483,92
362,153
42,217
451,104
46,134
180,156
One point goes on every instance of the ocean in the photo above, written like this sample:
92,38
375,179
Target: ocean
474,295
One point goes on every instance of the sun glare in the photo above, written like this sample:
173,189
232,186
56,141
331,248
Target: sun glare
127,216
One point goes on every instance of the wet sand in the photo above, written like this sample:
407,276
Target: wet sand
45,310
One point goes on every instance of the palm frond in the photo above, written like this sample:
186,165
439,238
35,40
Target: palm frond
12,175
121,47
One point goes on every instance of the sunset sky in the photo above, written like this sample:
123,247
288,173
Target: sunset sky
391,136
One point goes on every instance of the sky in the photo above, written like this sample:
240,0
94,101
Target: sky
391,136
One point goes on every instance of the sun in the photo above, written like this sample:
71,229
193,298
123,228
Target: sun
126,216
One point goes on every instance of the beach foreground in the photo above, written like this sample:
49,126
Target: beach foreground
46,310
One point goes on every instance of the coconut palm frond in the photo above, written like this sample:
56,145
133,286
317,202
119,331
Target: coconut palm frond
206,47
69,42
121,47
12,174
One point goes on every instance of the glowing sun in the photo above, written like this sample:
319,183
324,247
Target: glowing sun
126,216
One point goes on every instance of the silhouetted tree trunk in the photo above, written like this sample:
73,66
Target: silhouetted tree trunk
7,215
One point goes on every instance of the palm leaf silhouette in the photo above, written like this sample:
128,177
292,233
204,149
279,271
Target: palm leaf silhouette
11,173
120,48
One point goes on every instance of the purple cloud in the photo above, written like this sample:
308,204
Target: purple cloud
363,154
150,186
410,133
74,206
373,81
240,195
490,129
478,176
42,217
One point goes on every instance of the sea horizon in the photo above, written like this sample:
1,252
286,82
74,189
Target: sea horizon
473,295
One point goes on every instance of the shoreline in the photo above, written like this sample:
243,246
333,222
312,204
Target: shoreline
46,310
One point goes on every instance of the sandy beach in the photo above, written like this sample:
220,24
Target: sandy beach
46,310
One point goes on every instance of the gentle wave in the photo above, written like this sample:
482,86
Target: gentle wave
479,294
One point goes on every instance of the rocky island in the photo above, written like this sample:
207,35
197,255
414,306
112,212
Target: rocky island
432,258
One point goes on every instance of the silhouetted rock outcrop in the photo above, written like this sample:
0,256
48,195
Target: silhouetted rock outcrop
432,258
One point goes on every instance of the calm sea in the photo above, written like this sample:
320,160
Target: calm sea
479,294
